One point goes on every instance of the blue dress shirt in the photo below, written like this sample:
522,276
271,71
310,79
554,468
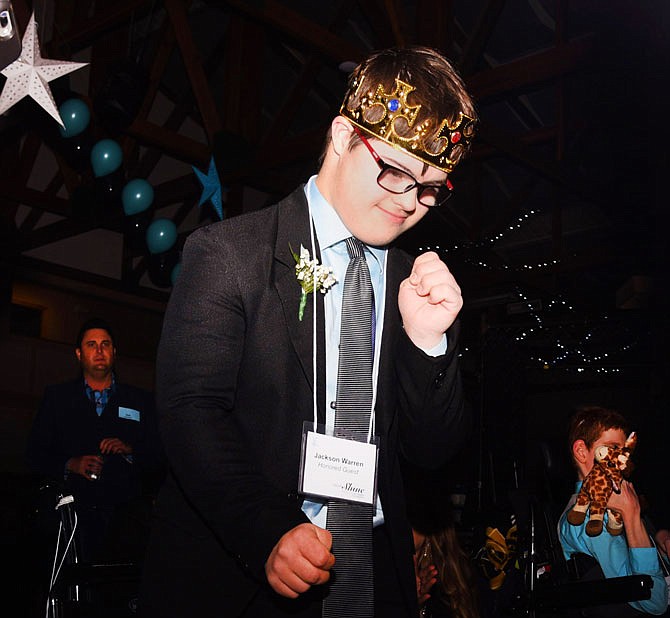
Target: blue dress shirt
615,558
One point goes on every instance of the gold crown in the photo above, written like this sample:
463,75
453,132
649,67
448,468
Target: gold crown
378,112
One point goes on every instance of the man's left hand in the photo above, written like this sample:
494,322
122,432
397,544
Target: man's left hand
429,301
114,446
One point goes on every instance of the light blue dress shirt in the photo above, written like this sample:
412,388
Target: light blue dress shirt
332,233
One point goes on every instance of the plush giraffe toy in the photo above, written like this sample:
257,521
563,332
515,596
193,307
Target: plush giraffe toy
609,468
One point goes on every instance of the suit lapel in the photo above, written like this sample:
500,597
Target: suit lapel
292,231
396,271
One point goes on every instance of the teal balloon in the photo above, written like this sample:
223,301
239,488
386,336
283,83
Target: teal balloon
137,196
106,157
75,116
175,273
161,235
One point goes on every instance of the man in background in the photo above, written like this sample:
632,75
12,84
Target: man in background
95,438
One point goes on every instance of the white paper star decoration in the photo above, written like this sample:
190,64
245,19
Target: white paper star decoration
30,74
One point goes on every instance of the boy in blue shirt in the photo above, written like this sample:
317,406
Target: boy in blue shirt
631,553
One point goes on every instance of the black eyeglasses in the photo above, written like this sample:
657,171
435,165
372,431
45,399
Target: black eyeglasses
398,181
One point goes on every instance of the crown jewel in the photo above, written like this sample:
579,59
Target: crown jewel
382,114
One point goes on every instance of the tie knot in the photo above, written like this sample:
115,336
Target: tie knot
354,247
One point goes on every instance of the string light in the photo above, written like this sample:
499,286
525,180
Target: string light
485,242
571,351
507,267
566,352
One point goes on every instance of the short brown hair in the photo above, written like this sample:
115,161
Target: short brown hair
589,422
92,323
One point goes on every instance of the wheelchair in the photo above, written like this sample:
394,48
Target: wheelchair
83,589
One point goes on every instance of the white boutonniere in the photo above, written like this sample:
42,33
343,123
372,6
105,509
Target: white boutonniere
311,276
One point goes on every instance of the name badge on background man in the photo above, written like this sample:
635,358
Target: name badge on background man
129,414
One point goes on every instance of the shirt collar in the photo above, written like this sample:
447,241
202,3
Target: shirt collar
110,389
329,227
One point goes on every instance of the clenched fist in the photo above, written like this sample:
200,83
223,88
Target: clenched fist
301,559
429,301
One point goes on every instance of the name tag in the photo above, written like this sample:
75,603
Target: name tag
339,468
129,413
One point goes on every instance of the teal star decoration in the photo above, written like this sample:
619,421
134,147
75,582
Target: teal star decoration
211,188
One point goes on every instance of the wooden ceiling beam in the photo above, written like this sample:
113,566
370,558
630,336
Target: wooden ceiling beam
54,232
482,151
298,27
194,69
107,18
22,11
398,21
291,105
105,55
435,24
35,214
302,85
166,44
81,281
29,151
161,57
378,21
243,65
152,156
69,177
175,190
184,102
36,199
170,143
30,221
474,48
549,169
306,144
532,70
242,100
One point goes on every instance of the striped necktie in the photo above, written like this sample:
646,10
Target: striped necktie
351,589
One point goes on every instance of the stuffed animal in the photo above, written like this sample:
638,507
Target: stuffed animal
609,468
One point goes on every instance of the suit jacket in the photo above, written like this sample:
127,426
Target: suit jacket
67,425
234,385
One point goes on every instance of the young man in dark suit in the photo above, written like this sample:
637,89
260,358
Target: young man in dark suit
97,439
248,362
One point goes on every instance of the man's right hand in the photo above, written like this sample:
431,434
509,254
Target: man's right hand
628,504
88,466
301,559
625,502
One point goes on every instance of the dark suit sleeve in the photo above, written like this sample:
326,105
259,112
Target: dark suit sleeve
148,453
44,457
206,436
433,420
